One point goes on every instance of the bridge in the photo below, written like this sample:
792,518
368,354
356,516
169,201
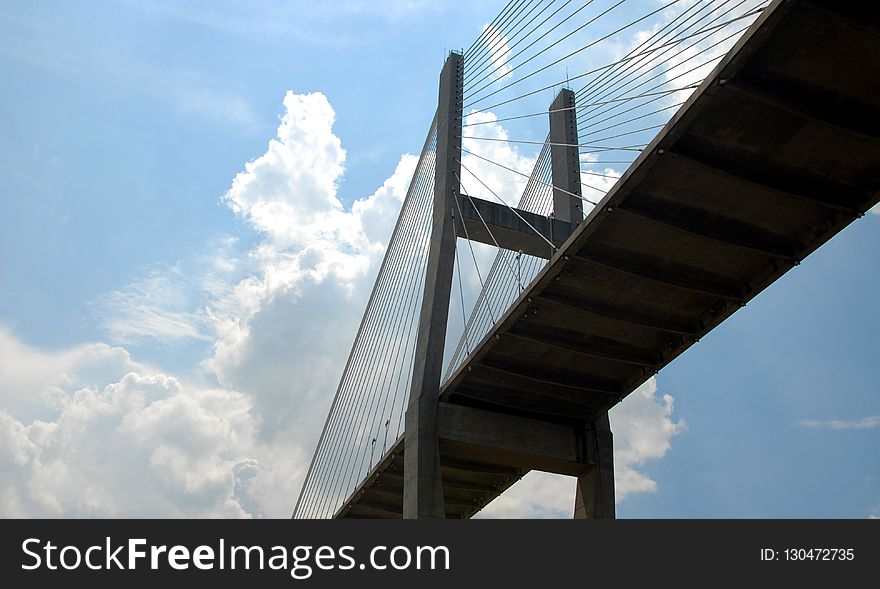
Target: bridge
768,155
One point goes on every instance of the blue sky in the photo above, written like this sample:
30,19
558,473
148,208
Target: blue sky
169,345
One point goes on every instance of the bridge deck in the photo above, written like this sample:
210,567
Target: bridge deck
776,152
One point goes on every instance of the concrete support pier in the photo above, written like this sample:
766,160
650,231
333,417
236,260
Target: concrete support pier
423,485
565,159
594,498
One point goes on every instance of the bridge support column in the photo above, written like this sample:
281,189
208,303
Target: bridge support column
594,498
423,486
565,159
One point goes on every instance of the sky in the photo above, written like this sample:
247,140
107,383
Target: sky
197,196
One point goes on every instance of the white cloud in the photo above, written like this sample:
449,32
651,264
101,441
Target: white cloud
143,444
480,178
875,209
869,422
281,334
538,495
643,428
284,331
31,380
289,192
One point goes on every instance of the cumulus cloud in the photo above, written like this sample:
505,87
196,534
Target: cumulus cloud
32,381
283,331
79,425
643,428
144,444
289,192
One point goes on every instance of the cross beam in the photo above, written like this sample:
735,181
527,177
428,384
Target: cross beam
509,228
508,440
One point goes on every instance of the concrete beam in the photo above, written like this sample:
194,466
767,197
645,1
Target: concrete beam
590,346
822,105
501,439
795,182
659,270
530,400
560,379
676,325
512,229
709,225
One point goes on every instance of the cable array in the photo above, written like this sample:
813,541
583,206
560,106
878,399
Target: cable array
510,271
621,105
366,416
628,90
682,41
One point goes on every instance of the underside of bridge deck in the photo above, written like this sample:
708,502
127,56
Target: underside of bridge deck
775,153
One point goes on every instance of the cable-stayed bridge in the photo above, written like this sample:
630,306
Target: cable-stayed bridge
710,147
